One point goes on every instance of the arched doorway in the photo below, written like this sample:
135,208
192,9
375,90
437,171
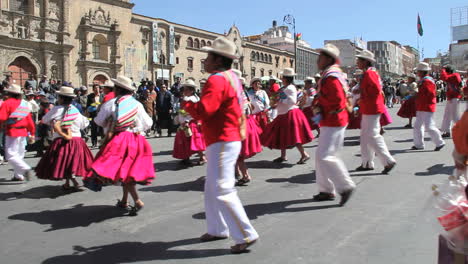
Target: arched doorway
20,69
100,79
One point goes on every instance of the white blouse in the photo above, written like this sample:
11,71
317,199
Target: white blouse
143,121
180,118
259,100
56,114
289,100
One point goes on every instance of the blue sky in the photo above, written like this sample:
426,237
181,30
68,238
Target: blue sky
318,20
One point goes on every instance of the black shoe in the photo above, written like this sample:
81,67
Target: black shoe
362,168
408,126
446,135
279,160
415,148
345,196
323,196
388,168
439,147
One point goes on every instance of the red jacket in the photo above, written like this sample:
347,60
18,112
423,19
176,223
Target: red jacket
20,128
372,100
108,97
426,98
332,98
219,111
453,80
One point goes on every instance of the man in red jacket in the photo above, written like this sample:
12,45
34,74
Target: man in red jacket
219,110
19,127
425,108
331,172
451,114
372,106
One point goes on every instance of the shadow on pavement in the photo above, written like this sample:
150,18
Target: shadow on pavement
41,192
130,252
77,216
268,164
298,179
172,165
193,186
437,169
163,153
256,210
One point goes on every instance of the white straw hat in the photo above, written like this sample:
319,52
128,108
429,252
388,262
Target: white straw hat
224,47
256,79
108,84
288,72
366,55
412,75
124,82
66,91
189,83
14,88
309,79
423,66
331,50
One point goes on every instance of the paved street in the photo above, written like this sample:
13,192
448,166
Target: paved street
383,223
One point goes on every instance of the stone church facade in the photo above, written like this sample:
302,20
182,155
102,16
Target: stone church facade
89,41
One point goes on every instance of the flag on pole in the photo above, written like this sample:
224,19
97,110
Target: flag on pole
420,28
298,36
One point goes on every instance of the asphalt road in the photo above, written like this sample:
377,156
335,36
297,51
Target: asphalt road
384,222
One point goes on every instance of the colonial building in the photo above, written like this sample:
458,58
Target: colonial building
90,41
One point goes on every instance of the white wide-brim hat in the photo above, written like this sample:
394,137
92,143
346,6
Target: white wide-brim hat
423,66
331,50
412,75
14,89
124,82
317,75
288,72
256,79
366,55
66,91
310,79
109,84
224,47
189,83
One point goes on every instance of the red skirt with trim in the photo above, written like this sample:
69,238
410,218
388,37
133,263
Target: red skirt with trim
408,108
251,145
309,114
185,147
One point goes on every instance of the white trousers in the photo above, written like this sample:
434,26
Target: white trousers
425,122
373,143
330,170
451,114
14,153
225,214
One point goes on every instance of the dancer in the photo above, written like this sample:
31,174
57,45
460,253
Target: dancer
189,139
16,113
68,157
125,156
451,113
290,128
372,106
220,110
306,103
408,107
426,106
331,171
260,102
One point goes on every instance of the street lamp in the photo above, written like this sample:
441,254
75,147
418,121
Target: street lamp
290,20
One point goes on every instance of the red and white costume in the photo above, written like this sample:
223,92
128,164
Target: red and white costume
261,103
372,106
220,111
17,130
331,172
451,114
251,145
426,106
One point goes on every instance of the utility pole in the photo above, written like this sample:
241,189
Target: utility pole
290,20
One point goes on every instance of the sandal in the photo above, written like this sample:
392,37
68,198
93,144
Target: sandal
66,187
303,160
208,238
201,162
279,160
135,209
123,205
242,248
242,182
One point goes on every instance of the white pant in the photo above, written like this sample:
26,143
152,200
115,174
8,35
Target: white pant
451,114
425,121
330,170
373,143
225,214
14,153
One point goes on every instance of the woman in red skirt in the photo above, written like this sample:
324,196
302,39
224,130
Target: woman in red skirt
126,156
290,128
408,107
68,157
306,103
260,102
189,139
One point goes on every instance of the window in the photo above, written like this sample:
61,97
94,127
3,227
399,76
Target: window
270,72
291,62
262,72
252,55
208,43
22,29
20,6
177,60
261,57
100,48
257,56
162,59
203,43
269,59
202,68
196,44
190,63
253,73
190,42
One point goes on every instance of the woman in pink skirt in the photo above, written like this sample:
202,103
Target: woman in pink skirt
189,139
251,145
125,156
68,157
290,128
260,102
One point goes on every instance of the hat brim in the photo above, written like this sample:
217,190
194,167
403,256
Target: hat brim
13,91
365,58
189,85
423,69
328,53
288,75
219,52
66,94
122,85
